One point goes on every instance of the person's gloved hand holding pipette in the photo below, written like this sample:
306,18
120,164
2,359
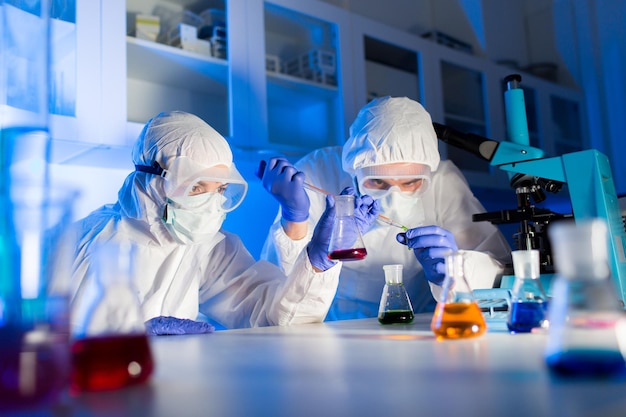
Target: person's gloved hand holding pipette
287,185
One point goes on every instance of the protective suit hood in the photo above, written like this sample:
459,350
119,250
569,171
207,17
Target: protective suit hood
390,130
164,138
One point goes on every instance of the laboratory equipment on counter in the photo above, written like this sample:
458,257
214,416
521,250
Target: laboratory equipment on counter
395,304
346,242
587,175
586,319
109,348
529,302
457,315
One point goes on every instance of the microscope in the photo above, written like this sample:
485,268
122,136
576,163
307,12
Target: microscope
587,175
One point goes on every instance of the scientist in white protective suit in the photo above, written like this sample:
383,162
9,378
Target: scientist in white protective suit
171,209
392,156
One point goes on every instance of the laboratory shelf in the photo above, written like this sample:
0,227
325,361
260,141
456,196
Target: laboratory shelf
288,87
164,64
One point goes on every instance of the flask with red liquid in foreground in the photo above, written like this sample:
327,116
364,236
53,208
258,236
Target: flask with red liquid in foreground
346,242
110,348
457,315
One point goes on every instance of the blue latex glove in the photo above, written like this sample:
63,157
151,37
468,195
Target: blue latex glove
366,210
166,325
286,184
317,248
430,245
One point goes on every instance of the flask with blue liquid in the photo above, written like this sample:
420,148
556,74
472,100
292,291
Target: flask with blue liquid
529,302
585,314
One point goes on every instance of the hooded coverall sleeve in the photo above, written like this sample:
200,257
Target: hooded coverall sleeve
323,169
241,292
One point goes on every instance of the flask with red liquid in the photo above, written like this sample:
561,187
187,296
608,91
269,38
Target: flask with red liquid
457,315
110,348
346,242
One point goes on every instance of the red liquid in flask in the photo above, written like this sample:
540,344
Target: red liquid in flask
110,362
355,254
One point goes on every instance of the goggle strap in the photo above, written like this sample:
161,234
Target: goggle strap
154,169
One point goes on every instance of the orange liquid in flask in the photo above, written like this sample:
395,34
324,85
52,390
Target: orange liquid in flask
458,321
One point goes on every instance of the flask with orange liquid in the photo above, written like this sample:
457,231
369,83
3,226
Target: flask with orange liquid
457,315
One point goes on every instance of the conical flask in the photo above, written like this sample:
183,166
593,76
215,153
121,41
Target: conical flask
529,302
457,315
346,242
395,304
585,314
110,348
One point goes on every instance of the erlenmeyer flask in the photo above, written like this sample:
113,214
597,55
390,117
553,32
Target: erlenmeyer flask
584,313
395,305
529,302
457,315
346,243
110,347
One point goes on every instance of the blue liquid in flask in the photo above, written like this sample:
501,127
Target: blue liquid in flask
526,315
590,363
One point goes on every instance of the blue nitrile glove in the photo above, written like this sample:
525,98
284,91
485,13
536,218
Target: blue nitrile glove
366,209
430,245
283,181
317,248
166,325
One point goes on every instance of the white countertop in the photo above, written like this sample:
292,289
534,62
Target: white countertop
354,368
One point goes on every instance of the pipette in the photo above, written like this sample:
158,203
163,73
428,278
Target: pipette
382,218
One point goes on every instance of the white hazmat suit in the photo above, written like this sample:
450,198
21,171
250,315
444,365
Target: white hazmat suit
216,276
390,130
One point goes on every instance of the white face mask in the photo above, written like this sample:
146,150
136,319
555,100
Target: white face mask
402,207
195,219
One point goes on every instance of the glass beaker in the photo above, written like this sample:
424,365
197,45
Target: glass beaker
346,242
395,304
110,348
457,315
34,292
585,313
529,302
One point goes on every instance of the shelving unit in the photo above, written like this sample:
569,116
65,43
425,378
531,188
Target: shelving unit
253,100
303,98
162,77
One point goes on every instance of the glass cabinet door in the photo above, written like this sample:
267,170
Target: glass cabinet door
304,109
565,119
63,58
390,70
464,110
177,60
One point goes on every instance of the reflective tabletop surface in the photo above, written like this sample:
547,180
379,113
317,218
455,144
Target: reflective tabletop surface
352,368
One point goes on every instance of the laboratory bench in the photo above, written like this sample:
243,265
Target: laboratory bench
353,368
